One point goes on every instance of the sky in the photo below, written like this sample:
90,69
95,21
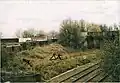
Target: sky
48,14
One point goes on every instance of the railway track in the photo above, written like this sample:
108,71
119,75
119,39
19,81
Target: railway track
90,72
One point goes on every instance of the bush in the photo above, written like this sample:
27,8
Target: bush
54,68
5,58
111,59
70,35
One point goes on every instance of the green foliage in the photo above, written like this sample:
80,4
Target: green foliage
39,59
111,59
9,62
70,34
5,57
26,45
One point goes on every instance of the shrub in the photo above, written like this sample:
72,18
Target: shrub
111,59
5,58
70,35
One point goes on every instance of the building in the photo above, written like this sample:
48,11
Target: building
9,40
10,44
24,39
39,38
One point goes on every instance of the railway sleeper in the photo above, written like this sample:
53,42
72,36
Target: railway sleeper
82,74
76,73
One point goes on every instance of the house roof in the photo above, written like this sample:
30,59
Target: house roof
9,38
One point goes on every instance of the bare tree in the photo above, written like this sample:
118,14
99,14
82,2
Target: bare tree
82,25
1,35
40,33
116,27
18,33
53,34
28,33
119,25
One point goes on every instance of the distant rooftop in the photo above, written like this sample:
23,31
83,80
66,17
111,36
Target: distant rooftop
9,38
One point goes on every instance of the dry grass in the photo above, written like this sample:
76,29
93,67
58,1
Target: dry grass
49,69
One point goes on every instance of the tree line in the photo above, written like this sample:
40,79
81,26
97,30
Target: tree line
70,31
29,33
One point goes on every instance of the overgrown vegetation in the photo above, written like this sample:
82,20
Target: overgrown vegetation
39,59
111,59
5,58
70,34
70,37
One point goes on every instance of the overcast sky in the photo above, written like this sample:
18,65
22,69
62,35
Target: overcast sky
47,15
